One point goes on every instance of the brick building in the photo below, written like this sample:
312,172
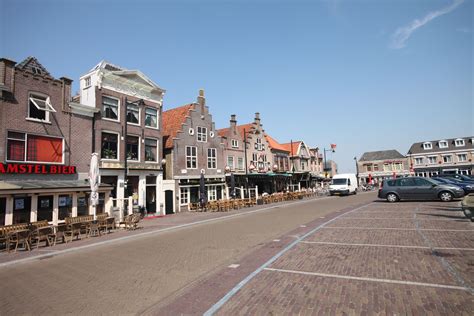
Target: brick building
127,133
45,146
454,155
375,166
192,147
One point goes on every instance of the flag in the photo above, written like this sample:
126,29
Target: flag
333,146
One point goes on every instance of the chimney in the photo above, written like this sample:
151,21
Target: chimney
257,118
7,74
201,100
233,121
66,93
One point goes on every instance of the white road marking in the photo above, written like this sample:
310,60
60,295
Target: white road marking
276,240
407,218
302,226
347,277
392,228
234,266
381,245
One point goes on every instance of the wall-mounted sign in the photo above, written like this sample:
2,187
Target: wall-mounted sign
36,169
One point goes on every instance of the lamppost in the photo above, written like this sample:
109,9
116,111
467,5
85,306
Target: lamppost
139,102
246,166
357,170
325,163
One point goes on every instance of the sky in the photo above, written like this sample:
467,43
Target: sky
365,75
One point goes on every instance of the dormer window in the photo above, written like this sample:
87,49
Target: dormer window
427,146
87,82
235,143
443,144
39,107
459,142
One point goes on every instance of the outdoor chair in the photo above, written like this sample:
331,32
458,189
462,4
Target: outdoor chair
60,233
93,229
19,237
42,233
109,224
126,221
74,229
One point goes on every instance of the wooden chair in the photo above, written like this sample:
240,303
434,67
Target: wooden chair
74,229
20,237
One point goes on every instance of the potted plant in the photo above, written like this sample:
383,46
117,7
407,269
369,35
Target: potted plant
109,153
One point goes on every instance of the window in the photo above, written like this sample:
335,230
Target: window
387,167
133,114
87,82
45,208
432,159
443,144
459,142
462,157
240,163
201,134
258,144
254,157
211,158
191,157
422,182
419,160
302,165
151,146
151,117
405,182
110,108
16,146
376,167
235,143
133,147
184,196
447,159
230,162
36,70
427,146
398,166
35,148
65,206
109,146
368,167
212,193
39,108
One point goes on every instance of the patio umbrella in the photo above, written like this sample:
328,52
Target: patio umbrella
232,186
94,181
202,191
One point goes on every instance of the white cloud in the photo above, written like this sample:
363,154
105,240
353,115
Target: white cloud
402,34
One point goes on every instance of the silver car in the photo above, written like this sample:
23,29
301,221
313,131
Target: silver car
418,188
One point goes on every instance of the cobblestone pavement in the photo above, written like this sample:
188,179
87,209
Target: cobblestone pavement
411,258
142,271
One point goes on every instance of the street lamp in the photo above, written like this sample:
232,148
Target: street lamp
357,170
325,162
139,102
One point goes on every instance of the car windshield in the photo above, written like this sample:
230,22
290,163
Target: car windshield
339,181
436,181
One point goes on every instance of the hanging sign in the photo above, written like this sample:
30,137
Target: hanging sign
10,168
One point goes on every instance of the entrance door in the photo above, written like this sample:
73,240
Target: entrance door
169,202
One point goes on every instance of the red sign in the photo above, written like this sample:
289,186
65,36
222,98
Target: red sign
36,169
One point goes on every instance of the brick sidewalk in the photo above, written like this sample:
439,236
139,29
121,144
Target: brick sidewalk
408,258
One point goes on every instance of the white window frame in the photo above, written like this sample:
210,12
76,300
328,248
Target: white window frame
139,148
240,163
434,158
462,154
459,142
419,161
157,149
183,196
191,157
118,145
235,143
427,146
87,82
443,144
212,192
102,108
139,114
26,149
450,158
33,98
157,120
231,166
212,160
201,134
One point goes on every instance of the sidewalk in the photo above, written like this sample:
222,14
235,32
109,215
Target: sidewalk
146,227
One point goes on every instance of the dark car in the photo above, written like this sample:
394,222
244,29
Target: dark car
457,176
418,188
468,187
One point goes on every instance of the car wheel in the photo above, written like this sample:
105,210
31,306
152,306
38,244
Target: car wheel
446,196
392,197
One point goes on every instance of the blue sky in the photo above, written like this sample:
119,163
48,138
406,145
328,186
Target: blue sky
366,75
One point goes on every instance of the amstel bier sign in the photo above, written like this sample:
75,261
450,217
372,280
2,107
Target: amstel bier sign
24,168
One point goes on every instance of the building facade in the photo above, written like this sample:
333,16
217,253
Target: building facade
234,151
192,147
454,155
376,166
127,133
45,147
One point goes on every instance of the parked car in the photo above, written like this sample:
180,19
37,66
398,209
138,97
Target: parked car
461,177
467,205
418,188
468,187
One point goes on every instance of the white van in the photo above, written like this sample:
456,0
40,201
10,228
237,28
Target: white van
343,184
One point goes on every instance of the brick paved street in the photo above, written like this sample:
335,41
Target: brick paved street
330,256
